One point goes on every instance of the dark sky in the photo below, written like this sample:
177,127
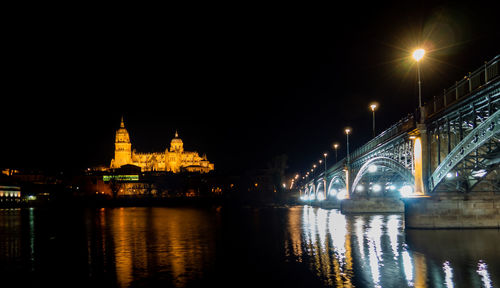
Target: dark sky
241,83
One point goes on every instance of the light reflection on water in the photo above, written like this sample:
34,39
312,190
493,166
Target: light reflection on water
181,247
375,251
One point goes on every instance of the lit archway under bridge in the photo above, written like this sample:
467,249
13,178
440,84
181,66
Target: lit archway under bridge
383,177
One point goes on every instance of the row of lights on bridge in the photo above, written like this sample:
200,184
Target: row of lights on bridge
417,55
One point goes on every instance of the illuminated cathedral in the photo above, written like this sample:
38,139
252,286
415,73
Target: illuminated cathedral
173,160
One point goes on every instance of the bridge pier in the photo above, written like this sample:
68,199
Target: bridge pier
372,205
326,204
453,210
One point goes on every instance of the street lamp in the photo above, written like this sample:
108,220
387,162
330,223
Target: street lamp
336,147
324,155
347,132
373,106
418,55
324,176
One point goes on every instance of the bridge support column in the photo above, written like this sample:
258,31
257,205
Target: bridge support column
372,205
420,154
453,210
417,154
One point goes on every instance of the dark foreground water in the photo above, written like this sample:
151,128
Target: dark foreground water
279,247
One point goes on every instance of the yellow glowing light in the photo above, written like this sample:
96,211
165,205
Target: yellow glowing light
417,151
418,54
373,106
347,131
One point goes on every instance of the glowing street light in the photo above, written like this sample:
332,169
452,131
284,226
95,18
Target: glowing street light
347,132
324,175
336,147
373,106
324,155
418,55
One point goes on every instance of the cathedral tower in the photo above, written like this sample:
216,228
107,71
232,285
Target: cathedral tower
123,147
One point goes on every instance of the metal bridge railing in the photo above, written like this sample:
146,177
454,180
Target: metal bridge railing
404,125
463,88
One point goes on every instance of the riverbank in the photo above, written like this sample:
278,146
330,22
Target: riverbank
148,202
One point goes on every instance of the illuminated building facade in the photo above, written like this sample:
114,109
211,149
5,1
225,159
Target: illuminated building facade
173,160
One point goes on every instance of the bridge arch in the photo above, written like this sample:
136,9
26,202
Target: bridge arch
387,163
480,147
312,192
320,188
336,183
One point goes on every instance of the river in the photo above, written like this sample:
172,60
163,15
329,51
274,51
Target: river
299,246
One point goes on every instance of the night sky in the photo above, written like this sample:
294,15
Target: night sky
239,83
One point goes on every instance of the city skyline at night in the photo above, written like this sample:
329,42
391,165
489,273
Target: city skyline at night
244,90
353,144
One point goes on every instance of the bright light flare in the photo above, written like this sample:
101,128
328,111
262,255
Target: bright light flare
418,54
333,191
406,191
342,194
320,197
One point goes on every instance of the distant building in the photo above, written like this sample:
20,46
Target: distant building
9,191
173,160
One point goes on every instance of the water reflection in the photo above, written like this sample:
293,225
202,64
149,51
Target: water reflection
179,241
375,251
448,274
292,247
482,270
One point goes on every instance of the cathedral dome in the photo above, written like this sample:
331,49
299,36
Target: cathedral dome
176,143
176,139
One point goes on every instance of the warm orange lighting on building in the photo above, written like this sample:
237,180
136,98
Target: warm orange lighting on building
174,159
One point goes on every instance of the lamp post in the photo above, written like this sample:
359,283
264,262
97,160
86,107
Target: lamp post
336,147
324,175
373,106
347,132
418,55
324,155
347,170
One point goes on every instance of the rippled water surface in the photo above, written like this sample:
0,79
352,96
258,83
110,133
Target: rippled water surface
279,247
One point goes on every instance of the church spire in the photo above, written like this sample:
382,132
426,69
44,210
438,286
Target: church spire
122,124
176,134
